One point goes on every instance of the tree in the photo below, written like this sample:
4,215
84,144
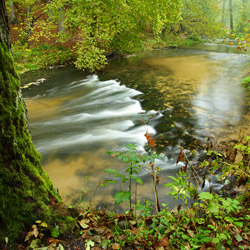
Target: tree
91,30
231,15
200,18
223,12
26,192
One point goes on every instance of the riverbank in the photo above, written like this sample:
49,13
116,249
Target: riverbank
210,222
29,58
127,231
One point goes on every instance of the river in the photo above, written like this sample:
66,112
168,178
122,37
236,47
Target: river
180,96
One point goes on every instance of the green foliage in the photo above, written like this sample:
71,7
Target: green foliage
41,56
55,232
246,82
93,29
181,187
133,162
200,18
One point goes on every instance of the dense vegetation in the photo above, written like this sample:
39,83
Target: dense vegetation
88,33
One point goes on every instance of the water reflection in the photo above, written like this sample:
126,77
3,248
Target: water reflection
74,119
221,102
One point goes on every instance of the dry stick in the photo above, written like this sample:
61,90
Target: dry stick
93,195
130,188
157,205
199,178
135,197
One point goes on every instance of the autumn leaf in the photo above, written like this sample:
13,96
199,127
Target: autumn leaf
89,244
33,232
83,223
181,156
164,242
43,224
151,141
116,246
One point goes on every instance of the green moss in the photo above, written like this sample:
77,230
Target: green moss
26,192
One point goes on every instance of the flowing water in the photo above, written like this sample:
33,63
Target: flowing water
180,96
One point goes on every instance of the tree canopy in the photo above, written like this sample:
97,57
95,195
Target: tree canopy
94,29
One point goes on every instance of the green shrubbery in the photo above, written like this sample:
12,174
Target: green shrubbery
209,220
41,56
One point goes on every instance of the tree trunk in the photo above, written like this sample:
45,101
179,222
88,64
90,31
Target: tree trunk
4,25
231,15
223,12
61,25
26,192
13,18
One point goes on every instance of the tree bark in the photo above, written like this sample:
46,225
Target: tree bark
26,192
223,12
13,19
4,25
231,15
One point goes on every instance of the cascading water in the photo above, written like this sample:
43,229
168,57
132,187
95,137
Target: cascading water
75,118
85,118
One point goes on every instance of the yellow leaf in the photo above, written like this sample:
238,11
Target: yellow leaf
83,223
43,224
246,29
38,221
233,35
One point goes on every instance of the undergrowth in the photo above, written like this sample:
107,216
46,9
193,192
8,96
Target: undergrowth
209,220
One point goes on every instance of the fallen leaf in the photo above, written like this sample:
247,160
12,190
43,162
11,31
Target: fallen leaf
132,222
83,223
164,242
34,232
115,246
53,240
89,244
159,248
191,233
43,224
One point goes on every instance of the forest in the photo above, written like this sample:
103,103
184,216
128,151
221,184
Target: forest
143,78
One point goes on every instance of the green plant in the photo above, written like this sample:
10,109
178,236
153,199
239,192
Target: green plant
181,187
246,82
135,163
133,166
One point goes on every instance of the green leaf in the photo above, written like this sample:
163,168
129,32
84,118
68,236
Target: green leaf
223,236
206,196
214,209
55,232
247,138
161,229
122,196
125,159
110,171
238,237
238,224
216,240
139,180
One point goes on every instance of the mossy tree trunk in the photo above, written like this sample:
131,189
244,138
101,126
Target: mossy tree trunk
26,192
